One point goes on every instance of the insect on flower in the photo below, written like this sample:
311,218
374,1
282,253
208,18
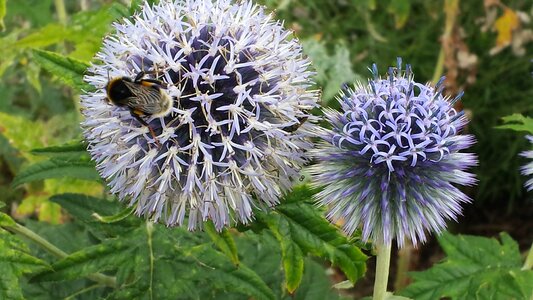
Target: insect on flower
142,96
229,105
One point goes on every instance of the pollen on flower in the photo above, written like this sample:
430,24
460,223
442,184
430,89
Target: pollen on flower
237,80
391,160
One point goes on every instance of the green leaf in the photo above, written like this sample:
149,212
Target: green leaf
102,257
400,9
157,268
118,10
88,29
84,208
224,241
291,254
20,258
116,217
332,70
68,70
6,220
22,133
3,11
517,122
48,35
71,149
314,234
263,255
56,167
240,279
15,261
475,268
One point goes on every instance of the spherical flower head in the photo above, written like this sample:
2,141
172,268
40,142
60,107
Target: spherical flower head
391,160
527,169
232,138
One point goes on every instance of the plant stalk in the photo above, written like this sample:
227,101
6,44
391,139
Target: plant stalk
46,245
61,11
382,271
451,9
528,265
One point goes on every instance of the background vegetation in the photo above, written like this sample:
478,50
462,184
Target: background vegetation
483,47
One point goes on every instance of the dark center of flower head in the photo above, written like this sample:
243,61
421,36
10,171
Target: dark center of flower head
397,124
217,85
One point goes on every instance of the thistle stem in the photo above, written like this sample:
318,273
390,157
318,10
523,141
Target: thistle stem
451,10
61,11
382,271
46,245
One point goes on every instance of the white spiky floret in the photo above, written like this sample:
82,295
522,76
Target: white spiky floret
527,169
238,81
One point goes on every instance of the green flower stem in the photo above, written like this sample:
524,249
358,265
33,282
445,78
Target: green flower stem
46,245
382,271
451,10
61,11
528,265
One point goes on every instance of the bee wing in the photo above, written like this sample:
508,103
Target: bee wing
146,98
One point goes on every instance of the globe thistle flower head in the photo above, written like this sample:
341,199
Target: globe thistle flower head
527,169
391,160
237,80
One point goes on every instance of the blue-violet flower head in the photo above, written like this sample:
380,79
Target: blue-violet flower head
391,160
527,169
238,81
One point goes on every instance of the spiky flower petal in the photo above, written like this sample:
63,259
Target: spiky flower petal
391,159
238,80
527,169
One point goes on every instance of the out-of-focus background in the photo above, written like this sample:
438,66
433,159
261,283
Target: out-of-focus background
484,48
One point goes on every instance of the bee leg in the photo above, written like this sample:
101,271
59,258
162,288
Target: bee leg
143,122
139,76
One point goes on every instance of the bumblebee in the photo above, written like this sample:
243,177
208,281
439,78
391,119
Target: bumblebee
143,97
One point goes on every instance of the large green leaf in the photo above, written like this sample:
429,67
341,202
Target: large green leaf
168,264
224,241
45,36
239,279
86,209
262,253
157,269
298,220
291,254
15,261
56,167
475,268
105,256
68,70
517,122
71,150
